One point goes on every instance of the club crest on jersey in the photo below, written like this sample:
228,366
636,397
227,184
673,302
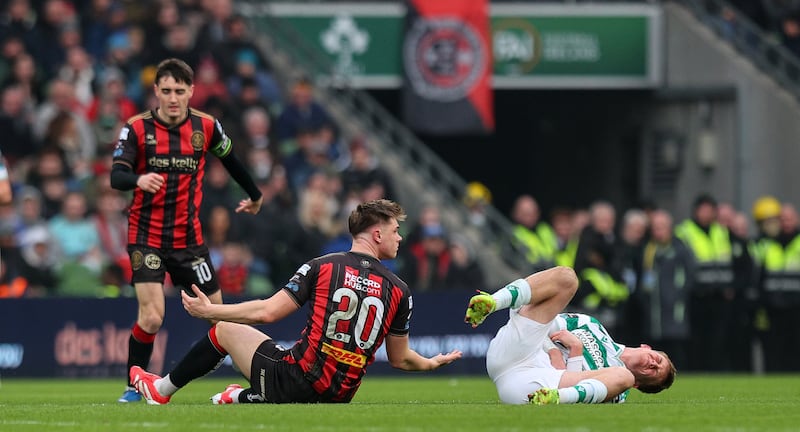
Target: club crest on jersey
152,261
360,283
137,259
198,139
149,139
365,264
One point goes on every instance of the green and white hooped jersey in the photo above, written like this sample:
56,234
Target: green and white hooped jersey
599,350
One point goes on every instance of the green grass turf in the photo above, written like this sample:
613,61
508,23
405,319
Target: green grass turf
412,403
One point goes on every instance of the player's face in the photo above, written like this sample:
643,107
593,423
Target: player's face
390,239
649,363
173,99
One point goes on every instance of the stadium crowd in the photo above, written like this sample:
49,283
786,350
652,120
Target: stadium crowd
72,72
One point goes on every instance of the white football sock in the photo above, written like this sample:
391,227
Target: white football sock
165,386
586,391
514,295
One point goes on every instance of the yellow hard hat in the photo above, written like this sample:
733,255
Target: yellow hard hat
766,207
477,192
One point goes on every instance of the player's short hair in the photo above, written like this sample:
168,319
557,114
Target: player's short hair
177,69
372,212
659,384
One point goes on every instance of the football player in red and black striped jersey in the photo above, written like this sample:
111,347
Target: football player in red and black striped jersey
356,304
161,157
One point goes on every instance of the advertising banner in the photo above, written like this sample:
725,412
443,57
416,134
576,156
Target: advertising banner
69,337
532,45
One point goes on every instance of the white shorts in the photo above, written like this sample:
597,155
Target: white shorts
517,362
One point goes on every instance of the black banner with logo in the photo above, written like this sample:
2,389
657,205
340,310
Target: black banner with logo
447,67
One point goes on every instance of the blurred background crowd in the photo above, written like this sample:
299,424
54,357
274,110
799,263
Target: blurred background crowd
73,71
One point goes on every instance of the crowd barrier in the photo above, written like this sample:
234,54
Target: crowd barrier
71,337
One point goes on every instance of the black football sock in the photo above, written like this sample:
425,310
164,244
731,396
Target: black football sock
140,348
249,395
204,357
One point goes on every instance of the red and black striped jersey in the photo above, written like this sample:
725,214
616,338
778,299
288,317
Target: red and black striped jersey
169,218
355,301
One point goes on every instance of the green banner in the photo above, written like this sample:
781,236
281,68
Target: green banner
545,46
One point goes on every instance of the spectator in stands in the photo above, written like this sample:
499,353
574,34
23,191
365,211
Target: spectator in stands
111,225
165,15
301,112
124,56
428,261
57,18
26,76
63,132
75,233
12,285
218,189
778,257
78,70
561,218
40,260
233,270
10,48
532,236
364,170
112,88
713,293
465,272
477,199
270,233
15,125
257,128
19,22
99,21
663,297
237,39
208,84
216,15
29,211
51,175
602,292
218,232
310,156
790,222
317,216
61,99
179,42
634,232
247,69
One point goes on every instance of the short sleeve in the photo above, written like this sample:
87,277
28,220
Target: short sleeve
301,285
400,323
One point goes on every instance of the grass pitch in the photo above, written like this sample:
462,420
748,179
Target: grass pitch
411,403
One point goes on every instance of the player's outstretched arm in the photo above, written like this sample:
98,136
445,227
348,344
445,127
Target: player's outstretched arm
402,357
249,312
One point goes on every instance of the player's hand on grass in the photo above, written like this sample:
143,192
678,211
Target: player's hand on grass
150,182
196,306
250,206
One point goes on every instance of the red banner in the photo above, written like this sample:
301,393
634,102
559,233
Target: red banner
447,67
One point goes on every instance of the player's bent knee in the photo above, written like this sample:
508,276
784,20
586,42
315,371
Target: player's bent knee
566,278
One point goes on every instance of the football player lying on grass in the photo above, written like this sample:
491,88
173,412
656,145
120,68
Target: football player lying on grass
527,366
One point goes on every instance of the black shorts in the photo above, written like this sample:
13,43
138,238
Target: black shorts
187,266
278,379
